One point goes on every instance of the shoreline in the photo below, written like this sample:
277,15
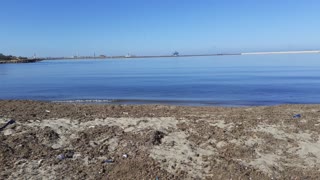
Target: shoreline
187,103
98,141
167,102
186,55
161,56
20,61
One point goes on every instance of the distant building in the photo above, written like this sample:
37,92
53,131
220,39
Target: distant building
176,53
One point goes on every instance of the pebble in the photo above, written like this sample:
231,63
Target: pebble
61,157
40,162
69,154
8,132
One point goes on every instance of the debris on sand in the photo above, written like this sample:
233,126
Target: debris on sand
99,142
156,137
297,116
61,157
7,124
68,154
109,161
50,134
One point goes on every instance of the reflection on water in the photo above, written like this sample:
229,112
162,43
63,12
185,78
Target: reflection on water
223,80
3,69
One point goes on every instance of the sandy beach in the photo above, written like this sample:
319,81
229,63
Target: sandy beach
74,141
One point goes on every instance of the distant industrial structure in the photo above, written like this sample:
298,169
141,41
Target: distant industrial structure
128,56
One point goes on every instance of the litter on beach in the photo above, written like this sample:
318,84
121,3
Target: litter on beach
109,161
7,124
297,116
61,157
68,154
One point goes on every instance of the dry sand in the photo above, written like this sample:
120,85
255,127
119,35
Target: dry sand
153,141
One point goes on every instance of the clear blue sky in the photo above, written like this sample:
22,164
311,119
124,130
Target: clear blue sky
112,27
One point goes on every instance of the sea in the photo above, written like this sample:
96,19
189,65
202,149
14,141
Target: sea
239,80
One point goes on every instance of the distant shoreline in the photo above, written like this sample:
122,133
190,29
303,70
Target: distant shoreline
188,55
20,61
282,52
160,56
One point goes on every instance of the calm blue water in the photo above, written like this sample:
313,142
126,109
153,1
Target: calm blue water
221,80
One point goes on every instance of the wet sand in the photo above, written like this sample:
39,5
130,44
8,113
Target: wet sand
74,141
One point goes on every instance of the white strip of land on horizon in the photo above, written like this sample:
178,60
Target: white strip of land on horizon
282,52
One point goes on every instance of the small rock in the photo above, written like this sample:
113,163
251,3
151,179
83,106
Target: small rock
102,171
76,156
50,135
40,162
69,154
61,157
8,132
47,111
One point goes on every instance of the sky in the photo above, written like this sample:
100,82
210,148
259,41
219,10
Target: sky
156,27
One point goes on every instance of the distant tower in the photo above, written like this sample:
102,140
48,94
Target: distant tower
94,55
34,55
